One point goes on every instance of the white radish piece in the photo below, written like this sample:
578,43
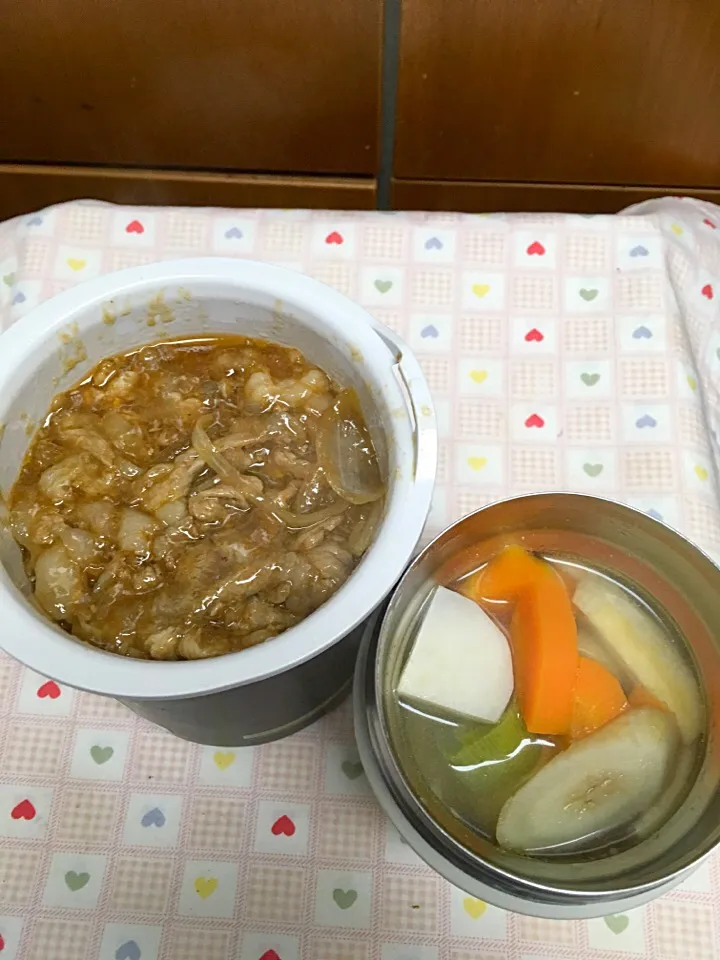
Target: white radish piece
635,638
460,661
681,780
599,783
593,647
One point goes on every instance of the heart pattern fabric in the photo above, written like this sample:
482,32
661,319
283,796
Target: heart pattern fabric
557,359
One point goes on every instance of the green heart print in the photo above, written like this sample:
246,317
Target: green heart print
76,881
344,898
101,754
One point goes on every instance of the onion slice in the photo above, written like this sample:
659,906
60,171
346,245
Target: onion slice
364,531
203,446
346,453
300,520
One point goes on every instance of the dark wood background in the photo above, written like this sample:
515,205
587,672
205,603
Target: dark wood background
590,91
212,84
501,104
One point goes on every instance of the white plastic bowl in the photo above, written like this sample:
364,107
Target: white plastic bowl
56,344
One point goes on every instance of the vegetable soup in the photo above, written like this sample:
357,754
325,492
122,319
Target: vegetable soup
195,497
546,707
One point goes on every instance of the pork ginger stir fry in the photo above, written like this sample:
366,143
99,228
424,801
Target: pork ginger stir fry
178,503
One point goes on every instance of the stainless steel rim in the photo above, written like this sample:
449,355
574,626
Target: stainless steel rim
369,684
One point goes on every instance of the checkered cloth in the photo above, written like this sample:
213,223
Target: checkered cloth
563,352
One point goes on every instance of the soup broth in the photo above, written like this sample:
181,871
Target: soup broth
622,750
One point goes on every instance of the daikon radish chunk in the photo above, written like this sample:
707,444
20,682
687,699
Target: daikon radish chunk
460,662
599,783
638,640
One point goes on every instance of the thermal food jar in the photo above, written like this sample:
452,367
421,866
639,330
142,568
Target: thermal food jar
273,689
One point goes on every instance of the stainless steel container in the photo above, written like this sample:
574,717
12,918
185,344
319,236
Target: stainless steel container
265,710
637,548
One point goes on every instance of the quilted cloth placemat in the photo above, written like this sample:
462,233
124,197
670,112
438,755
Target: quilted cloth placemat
563,352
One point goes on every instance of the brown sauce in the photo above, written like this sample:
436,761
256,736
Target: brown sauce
173,505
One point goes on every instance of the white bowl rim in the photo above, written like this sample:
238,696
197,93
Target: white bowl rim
34,643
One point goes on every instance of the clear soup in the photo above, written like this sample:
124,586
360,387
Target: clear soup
537,780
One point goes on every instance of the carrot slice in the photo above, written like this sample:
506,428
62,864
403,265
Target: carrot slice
640,696
462,564
509,572
543,639
598,698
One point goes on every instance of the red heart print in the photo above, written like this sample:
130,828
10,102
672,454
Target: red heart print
707,291
23,811
536,248
134,227
534,421
709,223
334,237
270,955
283,825
534,336
2,944
49,689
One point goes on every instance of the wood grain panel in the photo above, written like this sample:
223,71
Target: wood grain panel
26,188
468,197
247,85
591,91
